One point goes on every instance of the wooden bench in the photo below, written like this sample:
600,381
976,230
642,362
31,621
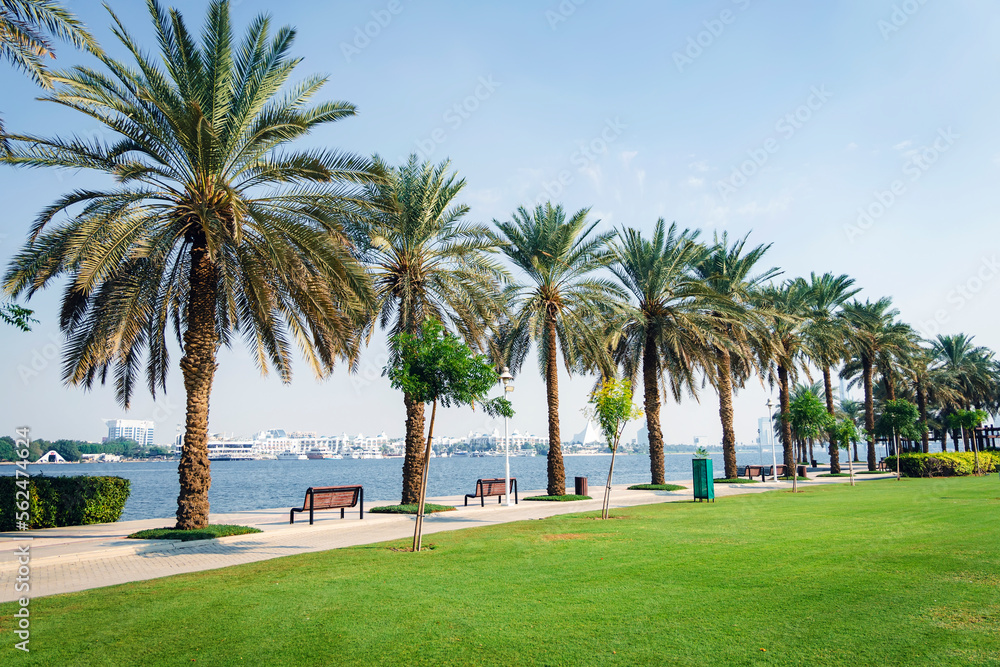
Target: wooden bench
491,487
330,498
740,471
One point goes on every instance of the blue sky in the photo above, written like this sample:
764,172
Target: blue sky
857,137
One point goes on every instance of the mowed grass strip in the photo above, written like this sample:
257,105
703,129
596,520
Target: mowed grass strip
887,572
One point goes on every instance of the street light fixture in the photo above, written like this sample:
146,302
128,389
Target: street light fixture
770,436
508,386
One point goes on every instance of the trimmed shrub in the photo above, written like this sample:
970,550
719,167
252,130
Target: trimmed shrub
943,464
63,501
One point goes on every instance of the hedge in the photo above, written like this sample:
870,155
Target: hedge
944,464
63,501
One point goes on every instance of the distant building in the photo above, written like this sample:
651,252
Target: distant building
51,456
139,430
642,437
589,435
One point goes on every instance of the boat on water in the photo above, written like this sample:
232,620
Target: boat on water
230,457
291,456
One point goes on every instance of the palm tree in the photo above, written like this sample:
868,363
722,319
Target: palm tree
741,338
27,29
560,304
873,335
825,335
214,227
663,328
428,263
783,306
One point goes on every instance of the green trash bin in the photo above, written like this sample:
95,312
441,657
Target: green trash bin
704,479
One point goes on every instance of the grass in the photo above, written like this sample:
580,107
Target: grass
560,499
211,531
429,508
656,487
788,478
873,472
835,474
736,480
884,573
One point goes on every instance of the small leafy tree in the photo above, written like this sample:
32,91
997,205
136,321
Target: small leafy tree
611,405
808,418
844,432
16,316
901,417
436,367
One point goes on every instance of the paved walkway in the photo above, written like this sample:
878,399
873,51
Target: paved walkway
78,558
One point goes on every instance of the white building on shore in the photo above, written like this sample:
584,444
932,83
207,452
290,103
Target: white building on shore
139,430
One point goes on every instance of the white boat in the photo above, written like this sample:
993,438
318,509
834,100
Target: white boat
291,456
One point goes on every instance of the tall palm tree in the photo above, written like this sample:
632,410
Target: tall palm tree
27,31
825,335
663,332
559,304
214,227
742,340
428,262
873,335
783,306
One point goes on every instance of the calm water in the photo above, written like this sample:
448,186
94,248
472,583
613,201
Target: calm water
249,485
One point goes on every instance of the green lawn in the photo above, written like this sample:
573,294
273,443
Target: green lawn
887,572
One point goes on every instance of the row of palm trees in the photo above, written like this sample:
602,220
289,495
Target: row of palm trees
211,228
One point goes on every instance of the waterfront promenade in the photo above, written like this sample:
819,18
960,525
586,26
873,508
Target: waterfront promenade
78,558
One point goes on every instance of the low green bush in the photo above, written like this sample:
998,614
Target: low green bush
656,487
560,499
62,501
736,480
429,508
944,464
209,532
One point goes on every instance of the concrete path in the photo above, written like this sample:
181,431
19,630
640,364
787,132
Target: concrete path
65,560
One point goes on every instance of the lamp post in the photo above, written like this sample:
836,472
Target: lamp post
770,436
508,386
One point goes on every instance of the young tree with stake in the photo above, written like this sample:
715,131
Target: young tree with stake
436,367
612,408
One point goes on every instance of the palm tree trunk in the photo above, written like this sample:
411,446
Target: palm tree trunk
866,367
198,368
651,395
556,469
856,452
811,455
726,412
944,440
922,406
418,529
413,459
834,449
786,427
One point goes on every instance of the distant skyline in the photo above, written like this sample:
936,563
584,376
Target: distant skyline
856,137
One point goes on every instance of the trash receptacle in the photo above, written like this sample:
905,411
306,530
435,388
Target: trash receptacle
704,479
580,486
802,471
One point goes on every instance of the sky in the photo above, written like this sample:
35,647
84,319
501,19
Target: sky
856,137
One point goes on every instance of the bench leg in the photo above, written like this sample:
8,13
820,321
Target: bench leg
341,512
361,498
291,517
310,514
482,500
